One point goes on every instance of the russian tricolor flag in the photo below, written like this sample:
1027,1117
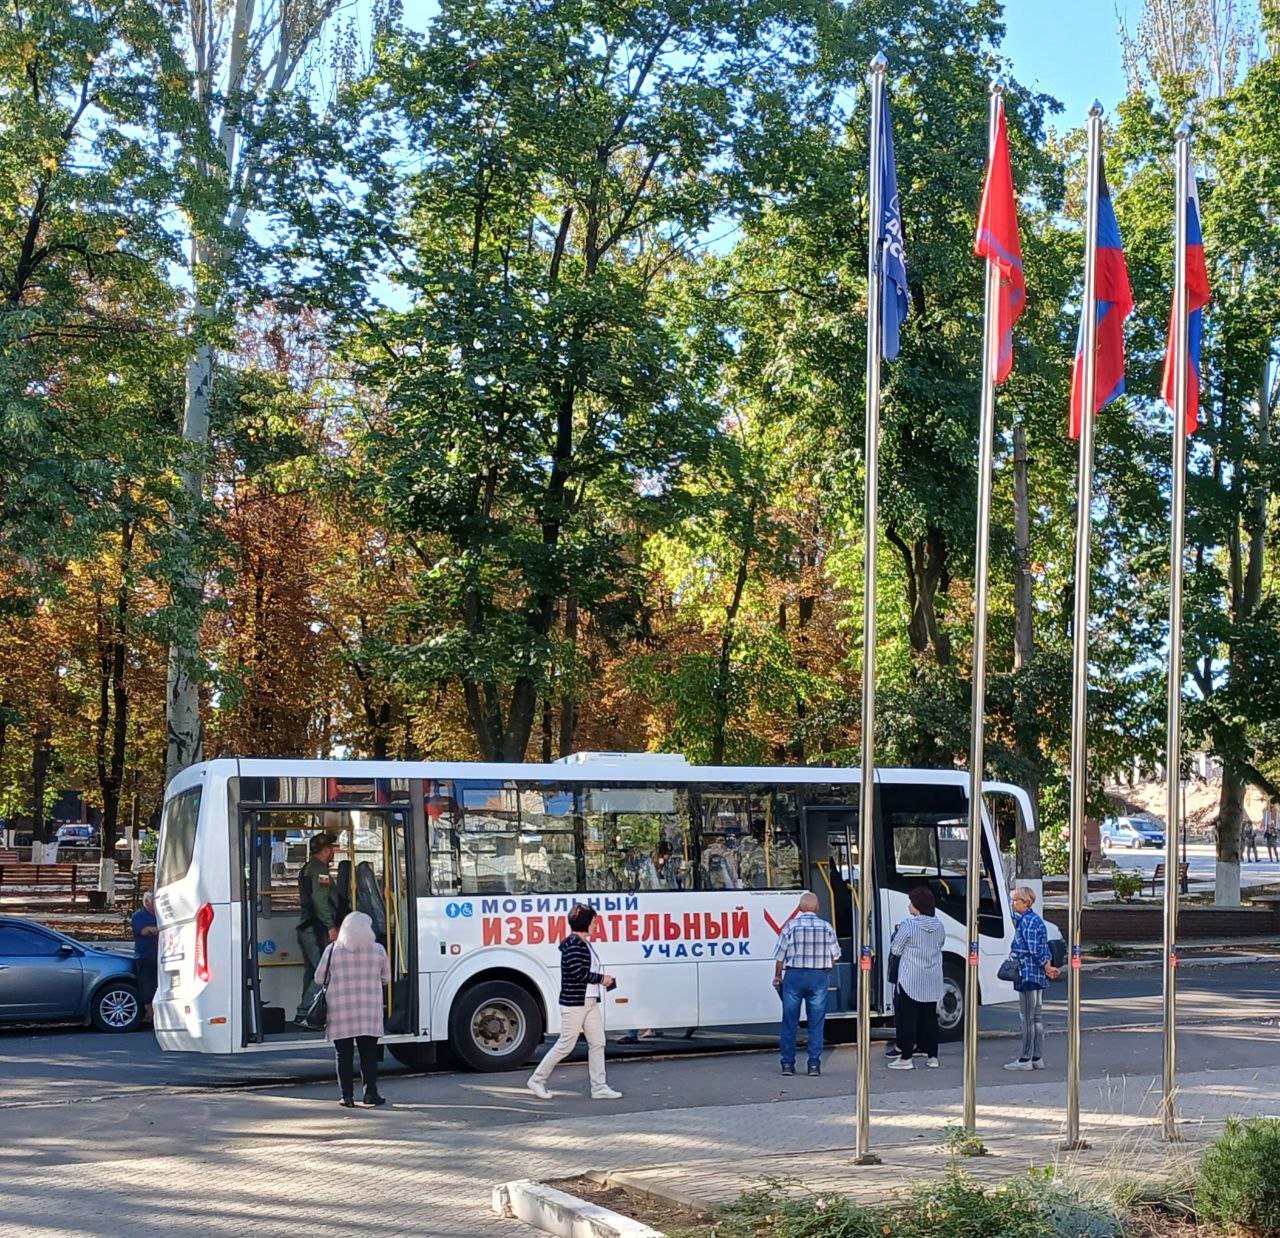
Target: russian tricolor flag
1114,301
1197,299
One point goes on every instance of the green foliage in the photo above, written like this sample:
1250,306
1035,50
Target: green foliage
1055,851
1126,882
1238,1184
960,1141
1030,1207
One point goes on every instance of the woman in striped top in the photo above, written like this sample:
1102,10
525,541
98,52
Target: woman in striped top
917,942
582,990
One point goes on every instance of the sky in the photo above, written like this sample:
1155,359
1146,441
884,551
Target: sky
1070,49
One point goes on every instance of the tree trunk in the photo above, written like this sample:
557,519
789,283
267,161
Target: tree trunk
185,728
925,560
568,700
1226,887
41,759
720,692
1027,838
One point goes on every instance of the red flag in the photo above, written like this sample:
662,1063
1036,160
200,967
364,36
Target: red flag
997,241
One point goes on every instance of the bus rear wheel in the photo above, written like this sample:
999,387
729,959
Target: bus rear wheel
951,1003
495,1025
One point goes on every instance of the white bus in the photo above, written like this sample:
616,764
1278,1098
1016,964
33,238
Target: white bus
469,870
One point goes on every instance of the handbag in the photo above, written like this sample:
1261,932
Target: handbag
316,1014
1010,969
895,963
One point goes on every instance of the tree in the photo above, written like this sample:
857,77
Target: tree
536,398
243,59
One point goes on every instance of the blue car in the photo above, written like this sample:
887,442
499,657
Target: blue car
1133,832
46,976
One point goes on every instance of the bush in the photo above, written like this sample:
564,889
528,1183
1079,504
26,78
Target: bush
1239,1180
1054,851
1126,882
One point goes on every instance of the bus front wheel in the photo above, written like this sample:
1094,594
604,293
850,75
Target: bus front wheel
951,1003
495,1025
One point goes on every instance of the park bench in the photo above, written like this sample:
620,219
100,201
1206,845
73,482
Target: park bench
15,877
8,855
1158,876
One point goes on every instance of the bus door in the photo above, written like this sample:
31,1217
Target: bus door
370,873
831,872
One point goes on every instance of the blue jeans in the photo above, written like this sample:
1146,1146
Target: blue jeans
808,985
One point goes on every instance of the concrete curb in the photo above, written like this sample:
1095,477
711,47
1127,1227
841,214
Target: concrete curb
557,1212
1204,960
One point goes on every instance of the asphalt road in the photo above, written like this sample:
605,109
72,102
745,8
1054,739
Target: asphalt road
1227,1015
1201,863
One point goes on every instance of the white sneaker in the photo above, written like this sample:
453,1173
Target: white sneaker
932,1063
1037,1063
901,1063
538,1088
1018,1065
606,1094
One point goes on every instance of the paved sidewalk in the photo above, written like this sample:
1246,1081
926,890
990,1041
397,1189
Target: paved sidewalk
178,1164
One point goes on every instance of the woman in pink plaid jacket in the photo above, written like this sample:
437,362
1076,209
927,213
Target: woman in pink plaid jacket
354,968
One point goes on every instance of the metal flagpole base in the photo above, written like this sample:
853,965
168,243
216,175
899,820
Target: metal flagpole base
867,1158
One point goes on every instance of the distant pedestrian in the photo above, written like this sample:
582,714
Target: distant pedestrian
1271,832
807,950
917,943
1249,839
1031,949
353,970
582,989
146,950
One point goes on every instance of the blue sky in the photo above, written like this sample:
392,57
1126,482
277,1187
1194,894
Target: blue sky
1071,50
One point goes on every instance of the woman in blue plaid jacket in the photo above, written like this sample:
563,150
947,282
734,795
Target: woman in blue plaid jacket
1031,949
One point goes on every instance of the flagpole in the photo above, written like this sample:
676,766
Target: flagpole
977,758
1080,632
1173,737
870,505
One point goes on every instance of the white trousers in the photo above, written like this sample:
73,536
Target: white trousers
575,1021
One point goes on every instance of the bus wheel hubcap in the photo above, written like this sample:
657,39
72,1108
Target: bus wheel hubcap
951,1007
119,1008
497,1026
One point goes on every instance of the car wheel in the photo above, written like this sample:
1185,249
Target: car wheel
495,1025
116,1007
951,1003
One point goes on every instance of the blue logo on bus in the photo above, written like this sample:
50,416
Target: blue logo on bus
266,947
454,910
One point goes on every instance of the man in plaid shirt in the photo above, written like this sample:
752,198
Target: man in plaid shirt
807,949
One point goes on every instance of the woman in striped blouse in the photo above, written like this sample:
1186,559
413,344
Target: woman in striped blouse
917,942
582,990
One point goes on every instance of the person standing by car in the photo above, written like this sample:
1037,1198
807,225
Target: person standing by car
146,950
582,990
917,944
318,900
1035,960
807,950
353,969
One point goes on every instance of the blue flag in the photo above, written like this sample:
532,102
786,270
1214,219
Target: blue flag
889,242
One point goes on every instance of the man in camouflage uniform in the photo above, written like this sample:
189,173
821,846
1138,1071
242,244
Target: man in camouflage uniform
318,900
